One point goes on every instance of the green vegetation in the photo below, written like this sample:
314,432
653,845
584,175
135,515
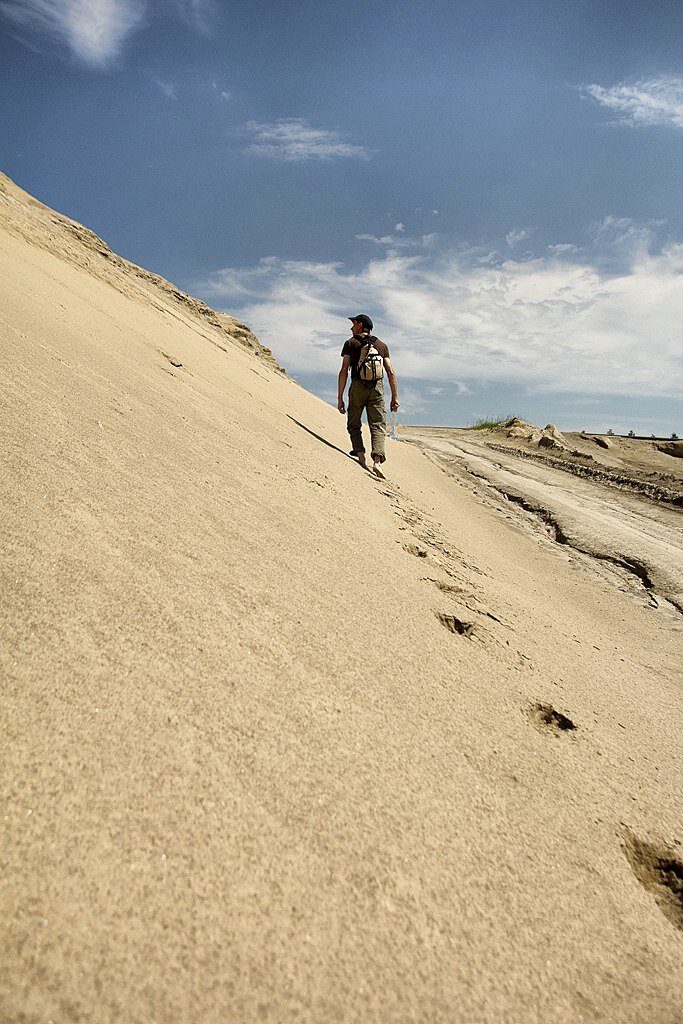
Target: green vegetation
488,423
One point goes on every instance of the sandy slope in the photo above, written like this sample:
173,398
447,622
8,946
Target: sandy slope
251,770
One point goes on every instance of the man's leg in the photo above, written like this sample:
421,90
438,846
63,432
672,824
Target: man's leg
377,418
357,396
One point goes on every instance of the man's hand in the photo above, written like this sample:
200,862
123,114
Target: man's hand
340,405
394,404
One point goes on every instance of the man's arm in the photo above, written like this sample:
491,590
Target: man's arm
393,383
341,385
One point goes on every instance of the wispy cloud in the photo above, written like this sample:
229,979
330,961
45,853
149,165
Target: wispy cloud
647,102
393,241
167,88
198,14
295,139
556,323
400,240
223,94
94,30
515,236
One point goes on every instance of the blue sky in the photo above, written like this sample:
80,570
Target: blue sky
499,186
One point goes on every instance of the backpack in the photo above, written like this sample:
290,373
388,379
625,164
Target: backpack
370,363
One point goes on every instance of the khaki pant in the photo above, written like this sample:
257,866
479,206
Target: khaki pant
371,398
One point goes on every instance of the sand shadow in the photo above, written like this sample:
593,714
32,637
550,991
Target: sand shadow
318,437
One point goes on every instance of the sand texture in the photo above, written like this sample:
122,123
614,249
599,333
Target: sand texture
283,742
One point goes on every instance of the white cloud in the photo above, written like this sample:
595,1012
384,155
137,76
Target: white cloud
382,240
400,241
294,139
94,30
515,236
619,241
392,241
413,401
647,102
555,323
399,227
562,247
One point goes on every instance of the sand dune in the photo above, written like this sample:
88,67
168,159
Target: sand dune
282,742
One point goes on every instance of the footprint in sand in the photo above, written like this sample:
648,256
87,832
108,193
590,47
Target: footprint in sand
547,718
660,873
454,624
413,549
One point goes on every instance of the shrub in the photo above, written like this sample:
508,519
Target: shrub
488,423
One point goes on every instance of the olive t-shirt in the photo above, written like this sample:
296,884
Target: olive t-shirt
353,347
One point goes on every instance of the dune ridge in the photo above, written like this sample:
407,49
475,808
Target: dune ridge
284,742
30,219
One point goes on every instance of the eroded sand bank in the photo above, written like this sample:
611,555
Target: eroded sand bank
620,504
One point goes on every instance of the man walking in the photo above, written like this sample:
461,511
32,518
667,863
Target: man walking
367,357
